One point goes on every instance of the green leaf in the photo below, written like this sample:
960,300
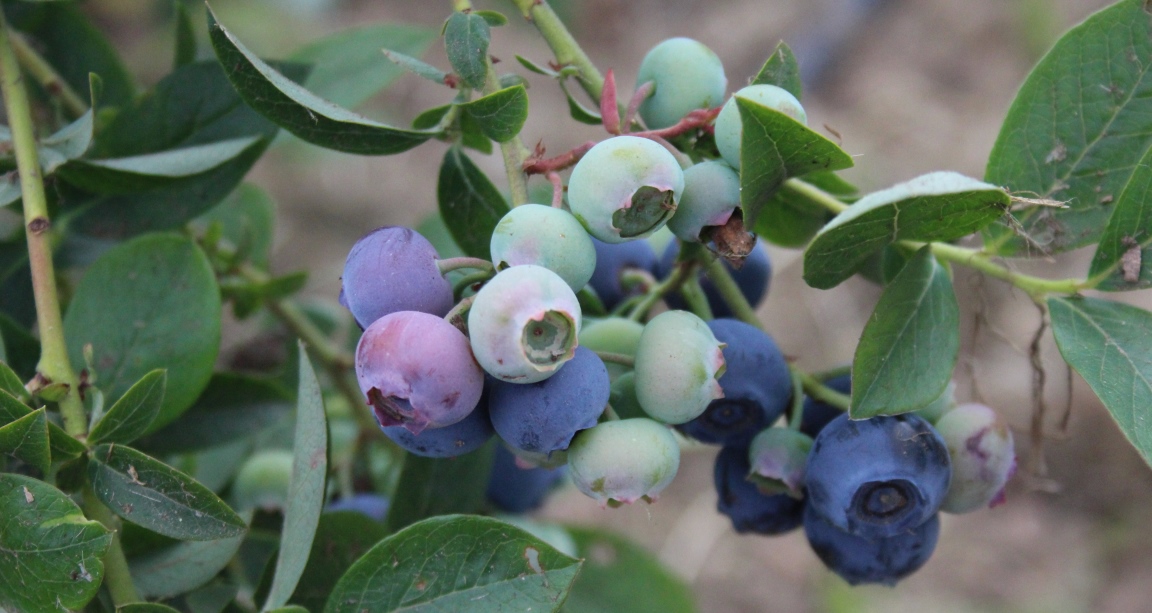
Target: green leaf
10,382
306,492
434,486
500,114
52,556
457,563
469,203
1123,260
301,112
417,67
536,68
146,304
153,495
248,220
26,439
493,18
781,70
909,346
346,66
1076,131
185,35
578,111
341,538
792,217
618,575
466,38
152,170
63,445
133,413
74,47
182,567
232,407
194,105
939,206
146,607
774,148
69,143
1109,345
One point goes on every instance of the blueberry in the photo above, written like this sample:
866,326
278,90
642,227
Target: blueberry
687,75
753,278
624,461
464,436
711,195
858,559
941,406
983,457
817,413
756,383
612,260
516,489
678,363
548,237
625,187
612,335
623,397
416,370
524,324
393,269
374,506
750,509
263,481
729,128
542,417
778,457
878,477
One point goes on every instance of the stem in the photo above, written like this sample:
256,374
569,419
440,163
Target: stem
563,45
645,304
817,390
117,578
617,358
47,76
513,150
54,365
450,264
797,415
729,291
823,198
693,294
471,279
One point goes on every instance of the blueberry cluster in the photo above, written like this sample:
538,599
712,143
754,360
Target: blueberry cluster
607,401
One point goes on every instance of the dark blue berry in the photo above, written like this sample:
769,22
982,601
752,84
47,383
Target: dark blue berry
817,413
754,277
743,503
513,489
462,437
878,477
374,506
756,382
878,560
612,259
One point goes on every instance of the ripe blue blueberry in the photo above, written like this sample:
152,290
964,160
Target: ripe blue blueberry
612,261
464,436
417,371
393,269
778,457
729,129
878,477
711,195
687,75
756,383
524,324
373,506
624,461
753,278
750,509
625,187
513,488
548,237
542,417
983,457
817,413
613,335
859,560
678,364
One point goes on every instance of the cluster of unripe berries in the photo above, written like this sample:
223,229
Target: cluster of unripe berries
445,370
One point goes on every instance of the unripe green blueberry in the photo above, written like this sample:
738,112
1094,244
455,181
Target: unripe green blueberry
624,188
939,407
523,324
729,129
711,194
678,364
612,335
548,237
983,457
687,75
777,458
622,397
624,461
263,480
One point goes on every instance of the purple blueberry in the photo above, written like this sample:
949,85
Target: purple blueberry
462,437
818,413
612,260
742,501
983,457
416,370
754,277
624,461
513,488
756,382
373,506
548,237
878,477
393,269
543,417
884,560
678,364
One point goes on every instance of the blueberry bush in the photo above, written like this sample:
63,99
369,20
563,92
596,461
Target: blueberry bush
588,318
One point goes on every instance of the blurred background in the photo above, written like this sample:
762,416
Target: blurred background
908,87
